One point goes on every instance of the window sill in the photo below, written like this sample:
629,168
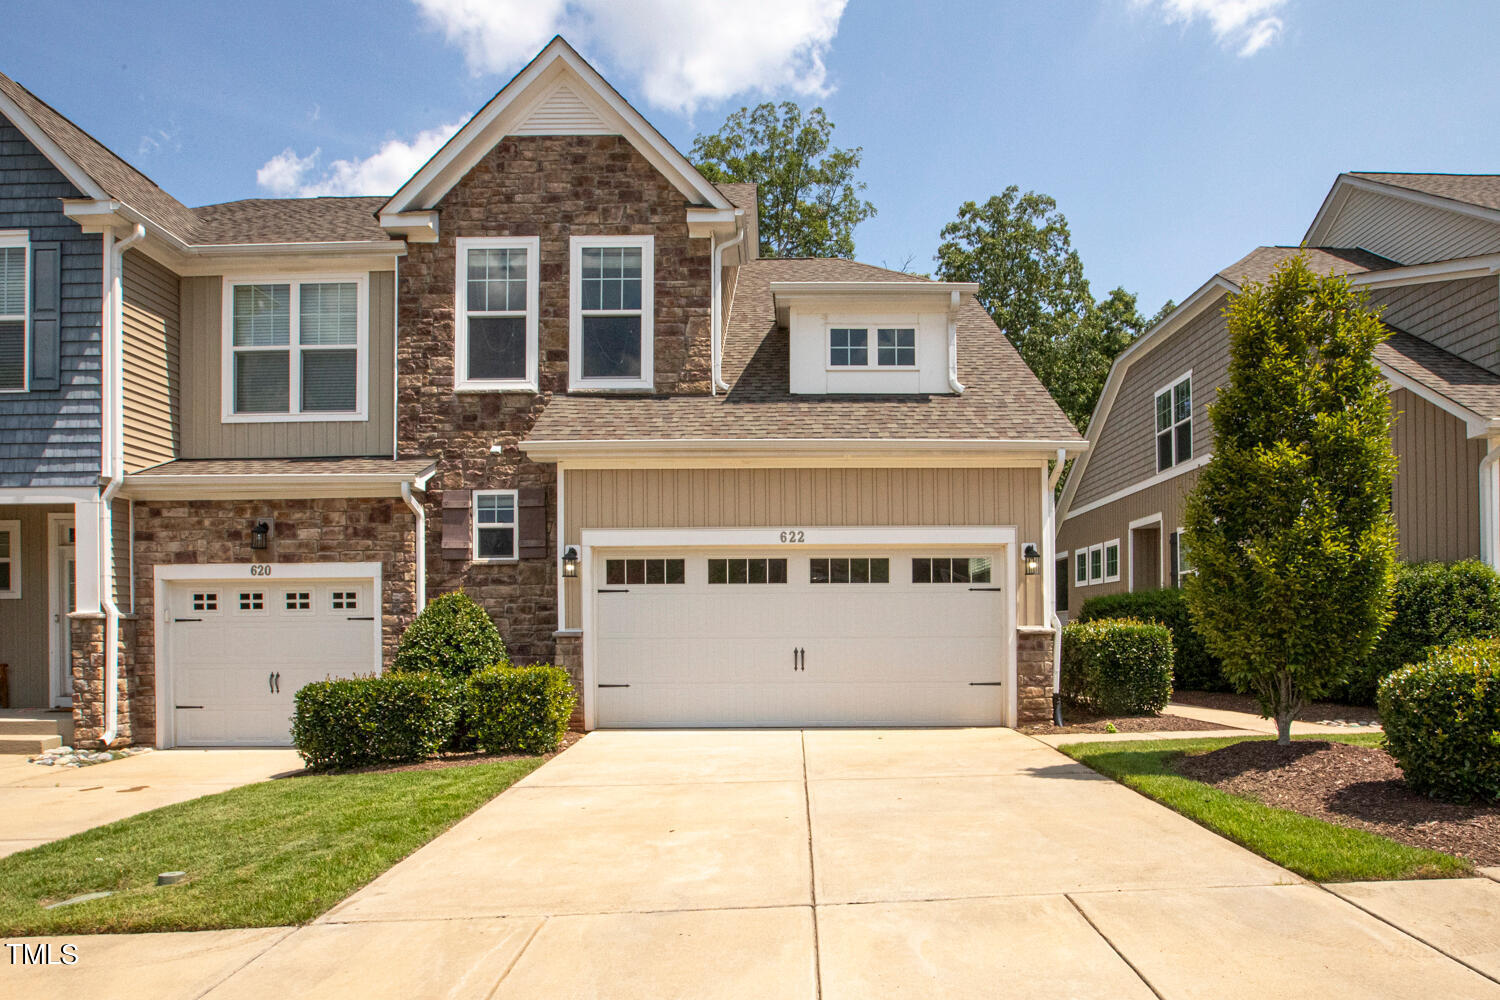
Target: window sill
872,368
495,562
482,387
293,418
601,389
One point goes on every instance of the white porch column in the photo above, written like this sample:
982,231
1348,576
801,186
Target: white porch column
87,550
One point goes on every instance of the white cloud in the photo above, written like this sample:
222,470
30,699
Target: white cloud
289,175
1244,25
683,53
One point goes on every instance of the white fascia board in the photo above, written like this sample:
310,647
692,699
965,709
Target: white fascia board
415,227
64,163
175,487
811,537
48,494
824,289
1136,487
1456,269
1345,183
460,153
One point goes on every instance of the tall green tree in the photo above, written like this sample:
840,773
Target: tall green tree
1289,528
1018,248
809,197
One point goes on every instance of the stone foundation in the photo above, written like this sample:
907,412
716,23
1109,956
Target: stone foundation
569,656
1034,678
137,702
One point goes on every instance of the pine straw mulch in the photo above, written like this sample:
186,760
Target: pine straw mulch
1318,711
449,760
1355,786
1077,721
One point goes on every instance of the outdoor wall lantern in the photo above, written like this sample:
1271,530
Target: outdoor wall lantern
259,535
1031,559
570,562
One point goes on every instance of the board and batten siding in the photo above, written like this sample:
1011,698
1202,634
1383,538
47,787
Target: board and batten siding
1436,493
1125,450
1407,232
25,623
1461,317
152,358
799,498
1111,521
206,435
52,436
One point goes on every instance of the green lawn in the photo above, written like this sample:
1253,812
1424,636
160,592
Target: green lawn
1310,847
278,852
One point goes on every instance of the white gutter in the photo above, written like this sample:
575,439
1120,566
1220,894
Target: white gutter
716,304
1051,567
420,513
112,419
1489,513
953,304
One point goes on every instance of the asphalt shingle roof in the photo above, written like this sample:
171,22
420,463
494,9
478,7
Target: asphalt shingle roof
1258,264
1002,398
1482,190
1448,375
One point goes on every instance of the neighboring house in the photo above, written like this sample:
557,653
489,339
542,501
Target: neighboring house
549,370
1426,247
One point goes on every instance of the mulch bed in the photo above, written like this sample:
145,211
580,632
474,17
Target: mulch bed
1353,786
1082,722
449,760
1318,711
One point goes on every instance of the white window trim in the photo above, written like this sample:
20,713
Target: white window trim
1172,428
13,529
461,380
21,238
1112,544
515,527
1181,571
911,323
1099,548
647,244
294,374
1081,572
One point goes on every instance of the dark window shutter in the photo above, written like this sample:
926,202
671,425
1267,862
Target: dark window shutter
457,529
1060,585
1173,556
531,522
46,315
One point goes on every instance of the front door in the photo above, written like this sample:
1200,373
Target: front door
63,578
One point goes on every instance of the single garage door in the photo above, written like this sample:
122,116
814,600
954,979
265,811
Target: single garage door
837,637
240,650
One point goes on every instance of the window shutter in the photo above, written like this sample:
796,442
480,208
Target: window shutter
46,315
531,522
457,528
1173,548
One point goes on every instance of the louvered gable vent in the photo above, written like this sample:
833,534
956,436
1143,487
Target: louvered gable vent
563,112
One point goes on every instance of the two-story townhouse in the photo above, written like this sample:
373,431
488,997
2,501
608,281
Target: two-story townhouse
1426,249
552,371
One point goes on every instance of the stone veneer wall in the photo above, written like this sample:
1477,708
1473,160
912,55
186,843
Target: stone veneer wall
551,187
1034,678
570,658
193,532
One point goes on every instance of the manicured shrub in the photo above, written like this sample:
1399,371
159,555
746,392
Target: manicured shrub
1194,668
1434,605
1442,721
1117,666
372,720
452,636
522,709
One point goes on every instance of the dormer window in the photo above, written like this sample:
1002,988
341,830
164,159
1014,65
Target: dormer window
896,348
610,331
849,347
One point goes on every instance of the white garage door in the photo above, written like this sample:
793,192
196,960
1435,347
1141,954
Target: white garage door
240,650
836,637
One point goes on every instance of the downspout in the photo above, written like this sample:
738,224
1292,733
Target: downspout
112,412
1489,516
420,513
1053,619
953,382
716,306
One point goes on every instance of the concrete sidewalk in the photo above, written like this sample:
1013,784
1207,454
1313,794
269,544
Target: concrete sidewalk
1248,720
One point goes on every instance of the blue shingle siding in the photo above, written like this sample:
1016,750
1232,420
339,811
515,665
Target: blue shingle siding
51,438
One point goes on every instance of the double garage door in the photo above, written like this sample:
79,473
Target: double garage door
851,636
238,651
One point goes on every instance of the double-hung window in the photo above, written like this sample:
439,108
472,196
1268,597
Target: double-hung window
1174,423
10,559
1111,562
610,324
295,349
494,525
495,314
14,293
1081,568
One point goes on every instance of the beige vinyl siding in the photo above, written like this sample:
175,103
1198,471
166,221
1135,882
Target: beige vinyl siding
152,359
1408,232
206,435
1461,317
1125,450
1112,521
797,498
1436,494
25,623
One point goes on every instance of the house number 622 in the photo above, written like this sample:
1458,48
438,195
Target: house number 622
793,537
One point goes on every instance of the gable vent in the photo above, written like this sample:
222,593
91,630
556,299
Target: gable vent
563,112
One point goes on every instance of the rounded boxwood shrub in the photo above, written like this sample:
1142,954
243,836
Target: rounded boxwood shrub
523,709
1117,666
1434,605
1194,668
453,636
1442,721
388,718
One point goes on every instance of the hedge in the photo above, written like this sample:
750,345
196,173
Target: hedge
453,636
1434,605
1117,666
1194,667
389,718
523,709
1442,721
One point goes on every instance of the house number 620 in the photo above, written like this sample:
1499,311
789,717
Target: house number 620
260,569
793,537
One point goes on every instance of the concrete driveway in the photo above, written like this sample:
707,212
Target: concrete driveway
853,864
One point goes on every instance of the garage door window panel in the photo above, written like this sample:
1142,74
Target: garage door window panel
298,601
849,570
253,601
344,600
494,525
644,572
205,601
945,569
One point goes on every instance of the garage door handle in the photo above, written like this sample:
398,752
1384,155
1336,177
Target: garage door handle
187,706
366,618
611,591
986,684
612,685
187,619
995,589
278,682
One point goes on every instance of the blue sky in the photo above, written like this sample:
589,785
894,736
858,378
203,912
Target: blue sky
1175,134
